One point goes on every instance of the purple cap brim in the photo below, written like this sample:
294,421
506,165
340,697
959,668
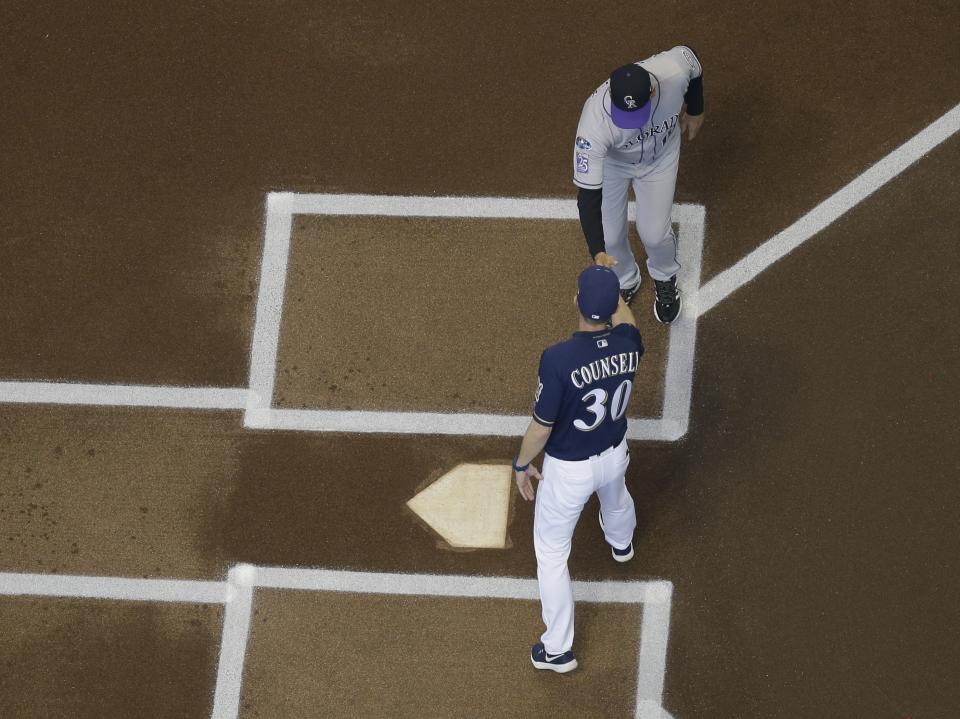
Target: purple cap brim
632,120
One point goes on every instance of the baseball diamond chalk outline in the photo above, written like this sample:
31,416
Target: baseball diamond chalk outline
673,424
282,207
236,593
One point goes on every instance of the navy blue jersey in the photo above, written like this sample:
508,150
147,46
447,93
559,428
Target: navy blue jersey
584,386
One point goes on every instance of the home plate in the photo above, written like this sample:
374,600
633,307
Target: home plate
468,506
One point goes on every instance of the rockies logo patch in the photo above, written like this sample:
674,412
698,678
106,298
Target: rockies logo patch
583,163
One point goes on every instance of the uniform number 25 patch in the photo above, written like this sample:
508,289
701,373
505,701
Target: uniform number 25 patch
583,163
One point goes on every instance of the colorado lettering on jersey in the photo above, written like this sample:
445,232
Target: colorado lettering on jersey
598,139
622,363
667,126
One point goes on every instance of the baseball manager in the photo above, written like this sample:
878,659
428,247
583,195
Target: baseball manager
580,421
629,133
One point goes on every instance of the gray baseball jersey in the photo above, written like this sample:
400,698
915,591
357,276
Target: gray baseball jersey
598,138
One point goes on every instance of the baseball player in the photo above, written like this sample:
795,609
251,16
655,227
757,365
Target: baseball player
629,133
579,418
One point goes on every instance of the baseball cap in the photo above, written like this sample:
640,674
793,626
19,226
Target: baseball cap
598,293
630,97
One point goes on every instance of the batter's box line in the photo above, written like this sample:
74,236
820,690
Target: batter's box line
282,207
237,593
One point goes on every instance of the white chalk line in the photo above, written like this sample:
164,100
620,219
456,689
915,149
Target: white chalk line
281,207
439,423
120,395
233,647
838,204
466,207
450,585
273,279
681,349
237,594
120,588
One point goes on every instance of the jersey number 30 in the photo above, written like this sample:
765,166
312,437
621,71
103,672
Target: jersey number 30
597,406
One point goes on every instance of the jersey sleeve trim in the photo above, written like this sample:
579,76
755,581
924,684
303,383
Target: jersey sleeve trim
698,69
541,421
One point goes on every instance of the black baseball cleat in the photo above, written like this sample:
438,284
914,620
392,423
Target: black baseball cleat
666,306
628,293
560,663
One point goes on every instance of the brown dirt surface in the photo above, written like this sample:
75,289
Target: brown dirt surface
133,229
90,659
350,655
807,520
446,311
815,495
115,491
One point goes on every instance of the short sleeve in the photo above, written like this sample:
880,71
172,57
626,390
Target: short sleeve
589,150
549,393
689,61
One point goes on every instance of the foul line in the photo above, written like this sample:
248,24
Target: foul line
828,211
281,208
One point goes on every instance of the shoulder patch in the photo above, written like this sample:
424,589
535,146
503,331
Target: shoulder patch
583,143
688,56
583,163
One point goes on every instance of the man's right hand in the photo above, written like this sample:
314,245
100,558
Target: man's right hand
604,260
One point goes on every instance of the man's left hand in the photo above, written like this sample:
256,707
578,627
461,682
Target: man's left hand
524,484
690,124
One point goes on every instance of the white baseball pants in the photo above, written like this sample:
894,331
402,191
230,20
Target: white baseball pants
653,188
565,488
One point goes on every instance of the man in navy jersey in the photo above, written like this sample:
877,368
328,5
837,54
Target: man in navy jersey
580,420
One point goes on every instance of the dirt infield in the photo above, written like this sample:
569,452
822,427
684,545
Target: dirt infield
359,659
455,294
81,658
806,520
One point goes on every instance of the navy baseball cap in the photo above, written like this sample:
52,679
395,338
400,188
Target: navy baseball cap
630,97
598,293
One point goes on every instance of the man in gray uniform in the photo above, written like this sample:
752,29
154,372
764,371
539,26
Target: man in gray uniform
629,133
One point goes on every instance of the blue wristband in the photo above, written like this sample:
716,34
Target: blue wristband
519,469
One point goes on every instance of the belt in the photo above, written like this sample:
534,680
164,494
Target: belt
604,453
